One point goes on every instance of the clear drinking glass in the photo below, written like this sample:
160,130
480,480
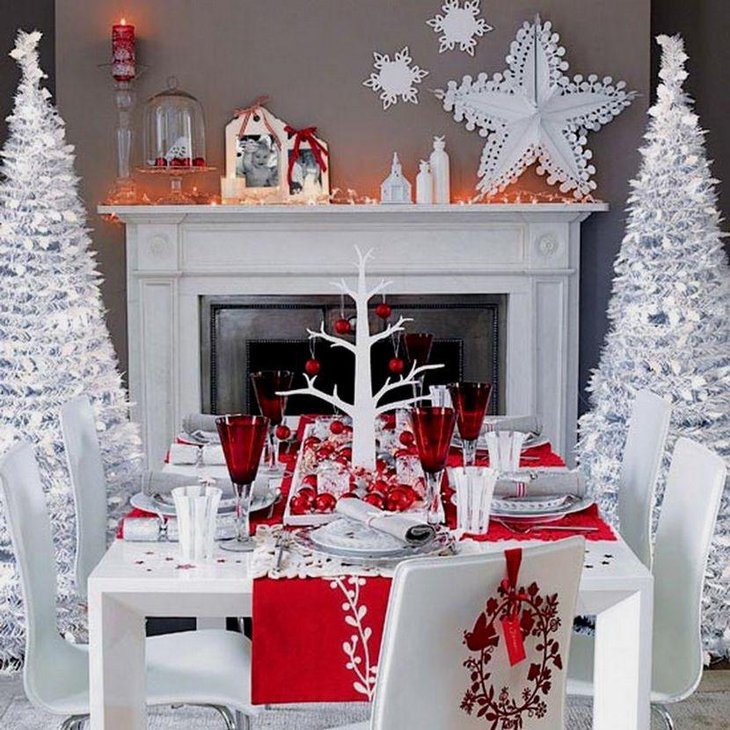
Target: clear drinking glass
242,438
197,509
433,428
474,487
505,450
470,401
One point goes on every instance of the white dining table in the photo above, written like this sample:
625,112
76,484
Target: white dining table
138,580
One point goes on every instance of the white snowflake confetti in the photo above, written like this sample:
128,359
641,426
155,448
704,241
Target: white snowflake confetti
395,78
533,111
459,25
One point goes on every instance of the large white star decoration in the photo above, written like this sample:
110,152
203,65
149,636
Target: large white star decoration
534,112
395,78
459,24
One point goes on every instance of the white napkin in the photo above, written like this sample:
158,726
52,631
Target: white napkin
193,422
525,424
548,481
407,529
162,482
186,454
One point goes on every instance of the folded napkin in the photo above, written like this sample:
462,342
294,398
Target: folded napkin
547,482
152,529
525,424
186,454
161,482
409,530
193,422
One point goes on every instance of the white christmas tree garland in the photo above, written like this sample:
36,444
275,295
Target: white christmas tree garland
669,318
534,112
54,343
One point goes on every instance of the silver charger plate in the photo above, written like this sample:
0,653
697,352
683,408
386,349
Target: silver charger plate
148,503
442,544
575,505
355,538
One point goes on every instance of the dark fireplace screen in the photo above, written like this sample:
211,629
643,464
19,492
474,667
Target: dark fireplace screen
243,334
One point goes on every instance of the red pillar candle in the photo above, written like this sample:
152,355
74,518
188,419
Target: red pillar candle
123,52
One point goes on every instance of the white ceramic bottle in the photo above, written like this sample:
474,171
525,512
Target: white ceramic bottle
424,184
440,172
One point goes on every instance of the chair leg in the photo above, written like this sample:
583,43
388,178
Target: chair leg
663,712
75,722
243,722
227,716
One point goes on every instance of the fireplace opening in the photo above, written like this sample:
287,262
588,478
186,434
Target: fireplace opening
243,334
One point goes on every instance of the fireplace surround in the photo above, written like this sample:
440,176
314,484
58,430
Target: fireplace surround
181,260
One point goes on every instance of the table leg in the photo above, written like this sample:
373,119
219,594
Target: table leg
622,664
116,663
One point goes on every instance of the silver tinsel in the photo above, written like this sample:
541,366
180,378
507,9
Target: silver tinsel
54,343
669,319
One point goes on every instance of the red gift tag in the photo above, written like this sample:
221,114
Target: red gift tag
513,639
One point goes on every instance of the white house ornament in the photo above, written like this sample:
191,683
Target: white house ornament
395,189
459,24
395,78
534,112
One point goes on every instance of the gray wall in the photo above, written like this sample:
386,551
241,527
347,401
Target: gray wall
311,58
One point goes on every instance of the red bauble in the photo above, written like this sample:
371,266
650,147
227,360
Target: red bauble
383,310
177,162
311,442
199,162
301,504
160,162
337,427
399,499
312,367
375,499
406,438
343,326
187,162
346,452
396,365
310,480
325,451
379,486
325,502
381,465
349,495
388,420
282,432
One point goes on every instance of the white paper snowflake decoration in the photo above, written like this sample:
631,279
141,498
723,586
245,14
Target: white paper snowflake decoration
534,112
459,24
396,78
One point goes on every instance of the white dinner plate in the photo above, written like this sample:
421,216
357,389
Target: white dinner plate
145,502
534,504
356,538
570,508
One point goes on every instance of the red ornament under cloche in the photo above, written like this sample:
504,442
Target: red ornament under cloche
343,326
312,367
396,365
384,310
282,432
337,427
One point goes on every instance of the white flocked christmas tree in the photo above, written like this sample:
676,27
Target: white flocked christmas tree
669,318
54,343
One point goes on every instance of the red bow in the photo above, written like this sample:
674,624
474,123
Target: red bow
318,149
514,639
248,112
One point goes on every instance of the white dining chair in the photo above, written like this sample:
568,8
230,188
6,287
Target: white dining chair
88,483
209,668
684,533
645,444
443,662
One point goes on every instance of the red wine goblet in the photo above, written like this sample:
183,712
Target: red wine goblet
418,351
242,438
267,384
433,428
470,401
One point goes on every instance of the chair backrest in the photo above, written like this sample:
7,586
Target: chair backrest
88,481
30,531
444,663
684,533
643,454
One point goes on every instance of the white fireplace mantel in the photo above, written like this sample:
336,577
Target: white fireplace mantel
176,254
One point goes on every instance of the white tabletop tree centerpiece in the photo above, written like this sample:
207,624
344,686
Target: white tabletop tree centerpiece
367,404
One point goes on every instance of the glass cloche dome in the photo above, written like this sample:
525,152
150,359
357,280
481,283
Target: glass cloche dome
174,129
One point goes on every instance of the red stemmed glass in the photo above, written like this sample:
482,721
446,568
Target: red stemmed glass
433,428
242,438
267,385
418,351
470,401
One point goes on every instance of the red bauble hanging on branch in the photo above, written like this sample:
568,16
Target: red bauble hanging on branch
343,326
396,365
312,367
384,310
